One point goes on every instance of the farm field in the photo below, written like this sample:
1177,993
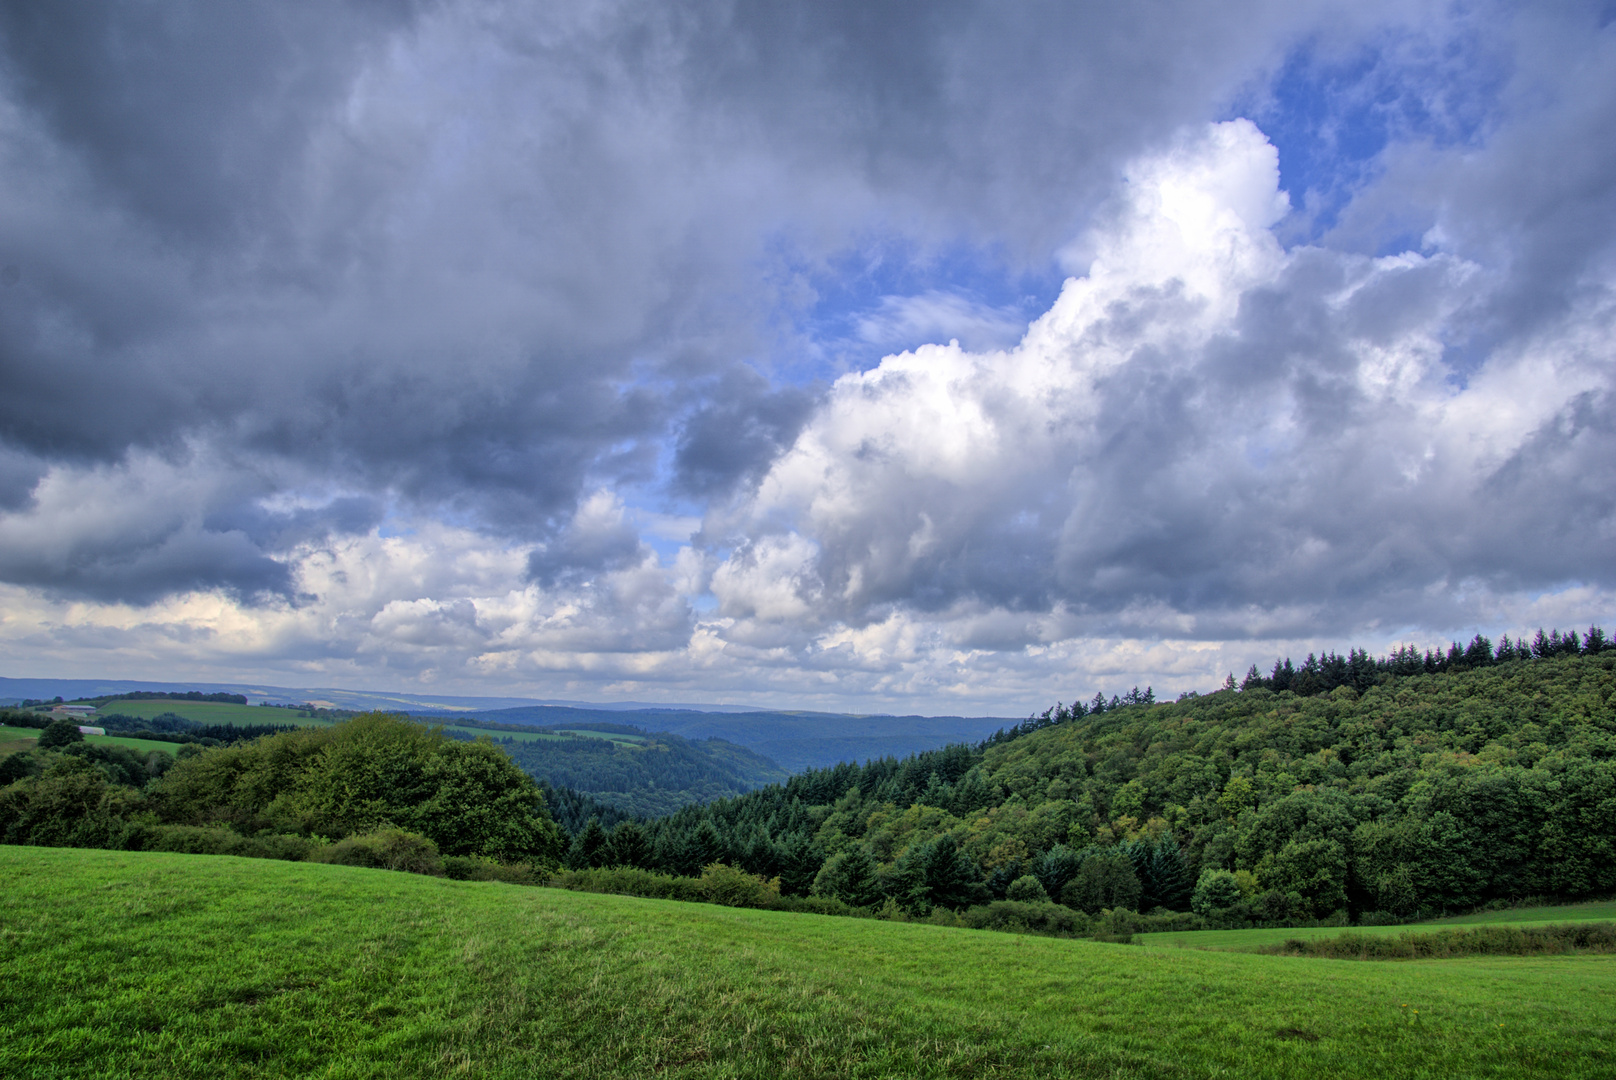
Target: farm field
1593,911
15,739
517,736
146,965
210,712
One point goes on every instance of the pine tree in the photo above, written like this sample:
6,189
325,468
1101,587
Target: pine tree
628,846
588,849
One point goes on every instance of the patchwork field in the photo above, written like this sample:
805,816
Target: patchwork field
209,712
16,739
145,965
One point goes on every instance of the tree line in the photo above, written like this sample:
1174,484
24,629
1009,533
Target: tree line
1423,793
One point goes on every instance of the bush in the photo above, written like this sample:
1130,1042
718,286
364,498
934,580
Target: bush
203,840
1214,890
482,868
1016,917
386,849
60,733
629,881
1027,890
733,887
1480,941
17,766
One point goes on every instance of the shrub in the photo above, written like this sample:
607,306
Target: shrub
1480,941
1026,918
1027,890
17,766
1215,889
386,849
60,733
482,868
204,840
629,881
734,887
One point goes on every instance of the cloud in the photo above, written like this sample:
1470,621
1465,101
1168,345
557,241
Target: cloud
407,342
1206,436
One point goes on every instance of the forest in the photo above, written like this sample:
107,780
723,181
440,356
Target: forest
1393,788
1384,793
373,790
638,773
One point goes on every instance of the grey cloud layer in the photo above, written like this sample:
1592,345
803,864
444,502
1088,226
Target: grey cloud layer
290,277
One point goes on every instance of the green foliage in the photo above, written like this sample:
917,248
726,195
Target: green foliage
590,848
628,846
1027,890
198,840
1414,794
1026,917
1445,944
60,733
69,804
851,877
1216,889
731,887
479,868
386,849
1104,880
652,775
369,773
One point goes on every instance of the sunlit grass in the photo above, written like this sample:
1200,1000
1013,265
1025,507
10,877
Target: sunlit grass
141,965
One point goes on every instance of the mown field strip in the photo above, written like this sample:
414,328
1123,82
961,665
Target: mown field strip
137,965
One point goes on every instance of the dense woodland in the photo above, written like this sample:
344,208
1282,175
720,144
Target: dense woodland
1486,779
373,790
647,774
1391,788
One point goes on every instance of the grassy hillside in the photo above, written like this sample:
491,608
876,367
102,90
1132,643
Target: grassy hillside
15,740
1598,911
208,712
143,965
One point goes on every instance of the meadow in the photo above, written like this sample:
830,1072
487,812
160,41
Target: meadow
1560,914
14,740
209,712
140,964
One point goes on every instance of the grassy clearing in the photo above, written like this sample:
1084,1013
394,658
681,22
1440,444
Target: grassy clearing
1592,911
210,712
518,736
16,739
142,745
609,736
137,965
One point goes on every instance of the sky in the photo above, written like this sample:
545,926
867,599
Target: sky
945,358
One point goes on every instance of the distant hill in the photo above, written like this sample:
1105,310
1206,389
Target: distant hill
642,773
794,740
13,691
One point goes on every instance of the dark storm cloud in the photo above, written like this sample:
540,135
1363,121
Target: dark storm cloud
477,262
429,250
737,432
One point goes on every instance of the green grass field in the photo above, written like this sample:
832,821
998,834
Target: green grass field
15,739
518,736
210,712
1593,911
142,965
